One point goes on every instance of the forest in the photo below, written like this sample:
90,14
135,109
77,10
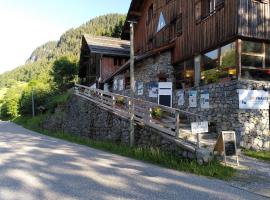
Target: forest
51,70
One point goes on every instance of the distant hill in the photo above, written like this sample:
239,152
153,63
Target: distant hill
69,44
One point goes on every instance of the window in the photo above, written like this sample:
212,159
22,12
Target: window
198,10
150,13
185,74
179,25
219,65
255,61
161,23
205,8
252,55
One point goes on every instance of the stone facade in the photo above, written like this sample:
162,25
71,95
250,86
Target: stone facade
148,71
86,119
251,126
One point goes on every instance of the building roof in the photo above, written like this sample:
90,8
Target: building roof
133,15
108,45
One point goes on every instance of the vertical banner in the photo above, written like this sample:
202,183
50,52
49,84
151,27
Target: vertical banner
121,84
153,89
193,99
115,84
139,87
204,100
181,98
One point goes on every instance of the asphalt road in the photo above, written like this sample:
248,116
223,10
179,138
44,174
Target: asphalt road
36,167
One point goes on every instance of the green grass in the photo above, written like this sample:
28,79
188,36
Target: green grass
261,155
150,155
57,99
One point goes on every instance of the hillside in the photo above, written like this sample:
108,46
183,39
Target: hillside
69,44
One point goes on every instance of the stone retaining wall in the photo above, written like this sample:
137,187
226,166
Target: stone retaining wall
251,126
86,119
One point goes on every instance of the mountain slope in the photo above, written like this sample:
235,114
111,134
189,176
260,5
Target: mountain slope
41,59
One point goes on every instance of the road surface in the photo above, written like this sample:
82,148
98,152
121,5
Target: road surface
36,167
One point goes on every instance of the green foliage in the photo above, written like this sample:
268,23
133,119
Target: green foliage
41,60
261,155
157,113
57,99
41,91
10,104
120,101
64,72
150,155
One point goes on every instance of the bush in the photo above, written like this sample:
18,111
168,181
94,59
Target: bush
64,72
41,92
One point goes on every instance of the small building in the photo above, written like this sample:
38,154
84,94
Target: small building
210,57
101,57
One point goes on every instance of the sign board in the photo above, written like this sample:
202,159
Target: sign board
115,84
181,98
121,84
165,93
199,127
226,145
204,100
139,87
253,99
153,89
193,99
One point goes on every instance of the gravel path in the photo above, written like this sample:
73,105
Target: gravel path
36,167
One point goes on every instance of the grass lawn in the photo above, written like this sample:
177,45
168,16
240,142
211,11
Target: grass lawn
150,155
262,155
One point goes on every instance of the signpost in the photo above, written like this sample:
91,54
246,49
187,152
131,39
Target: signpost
198,128
226,145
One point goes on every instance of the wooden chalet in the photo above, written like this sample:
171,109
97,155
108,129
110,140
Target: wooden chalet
100,57
209,40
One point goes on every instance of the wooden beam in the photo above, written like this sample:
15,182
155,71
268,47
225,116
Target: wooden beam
136,14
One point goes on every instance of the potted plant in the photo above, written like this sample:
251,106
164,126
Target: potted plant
120,102
157,113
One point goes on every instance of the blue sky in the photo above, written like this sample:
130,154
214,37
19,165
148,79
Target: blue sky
27,24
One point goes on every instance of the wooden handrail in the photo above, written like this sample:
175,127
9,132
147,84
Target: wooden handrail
143,109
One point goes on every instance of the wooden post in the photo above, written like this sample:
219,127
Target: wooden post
132,82
113,102
150,114
177,121
198,140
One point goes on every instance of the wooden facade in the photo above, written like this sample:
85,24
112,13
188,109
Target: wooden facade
194,29
101,57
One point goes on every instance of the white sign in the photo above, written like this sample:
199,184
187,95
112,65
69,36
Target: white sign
199,127
121,84
139,85
193,99
153,89
181,98
204,100
115,84
253,99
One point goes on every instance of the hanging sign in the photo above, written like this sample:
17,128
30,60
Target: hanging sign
115,84
153,89
204,100
193,99
121,84
181,98
199,127
253,99
139,87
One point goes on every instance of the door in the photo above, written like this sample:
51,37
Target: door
165,93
